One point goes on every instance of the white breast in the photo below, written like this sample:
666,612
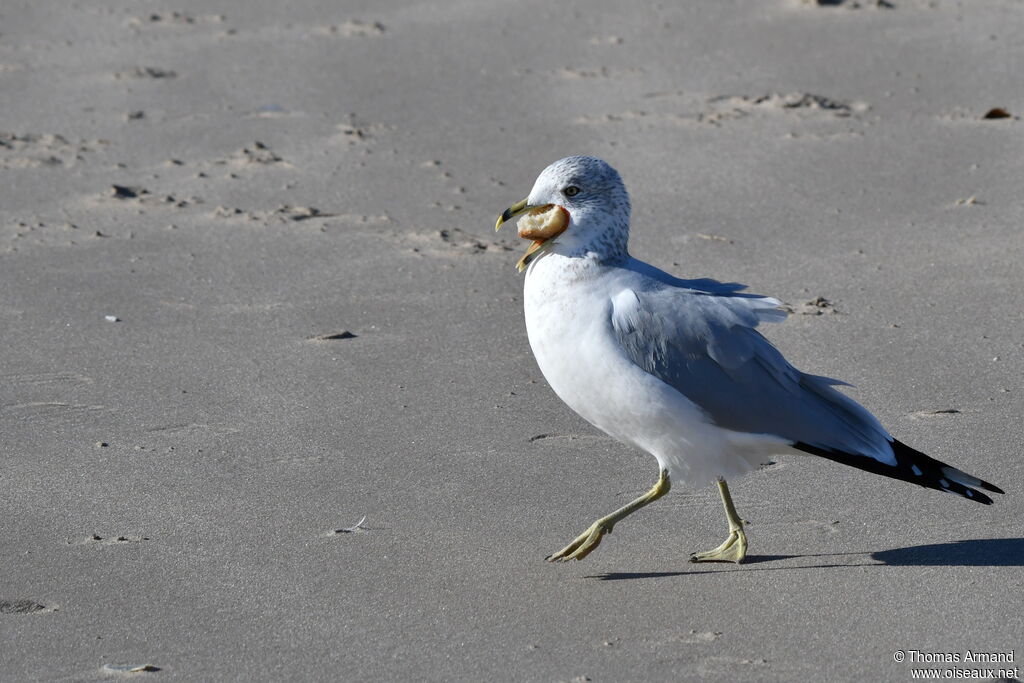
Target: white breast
567,304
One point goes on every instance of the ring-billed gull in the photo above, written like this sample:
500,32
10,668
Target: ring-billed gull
675,367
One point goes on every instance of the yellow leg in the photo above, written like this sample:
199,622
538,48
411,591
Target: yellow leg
734,549
585,543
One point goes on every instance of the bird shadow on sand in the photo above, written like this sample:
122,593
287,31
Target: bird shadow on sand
982,552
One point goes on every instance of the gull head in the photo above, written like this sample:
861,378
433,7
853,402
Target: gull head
577,207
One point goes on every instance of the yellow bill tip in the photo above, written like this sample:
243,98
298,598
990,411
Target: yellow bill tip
525,260
510,213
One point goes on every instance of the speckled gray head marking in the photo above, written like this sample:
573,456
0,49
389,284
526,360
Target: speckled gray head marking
596,199
590,175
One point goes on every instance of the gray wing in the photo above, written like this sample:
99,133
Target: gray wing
705,346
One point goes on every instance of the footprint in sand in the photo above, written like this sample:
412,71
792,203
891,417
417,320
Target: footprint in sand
23,606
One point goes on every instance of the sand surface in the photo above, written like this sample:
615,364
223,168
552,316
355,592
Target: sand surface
250,293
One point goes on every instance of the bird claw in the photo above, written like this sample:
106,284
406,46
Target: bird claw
582,545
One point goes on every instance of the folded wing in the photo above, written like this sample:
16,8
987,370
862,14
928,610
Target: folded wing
705,346
703,342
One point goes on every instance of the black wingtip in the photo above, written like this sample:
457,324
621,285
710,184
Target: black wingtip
991,487
974,495
912,466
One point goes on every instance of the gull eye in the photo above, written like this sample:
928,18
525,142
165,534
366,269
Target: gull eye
571,191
